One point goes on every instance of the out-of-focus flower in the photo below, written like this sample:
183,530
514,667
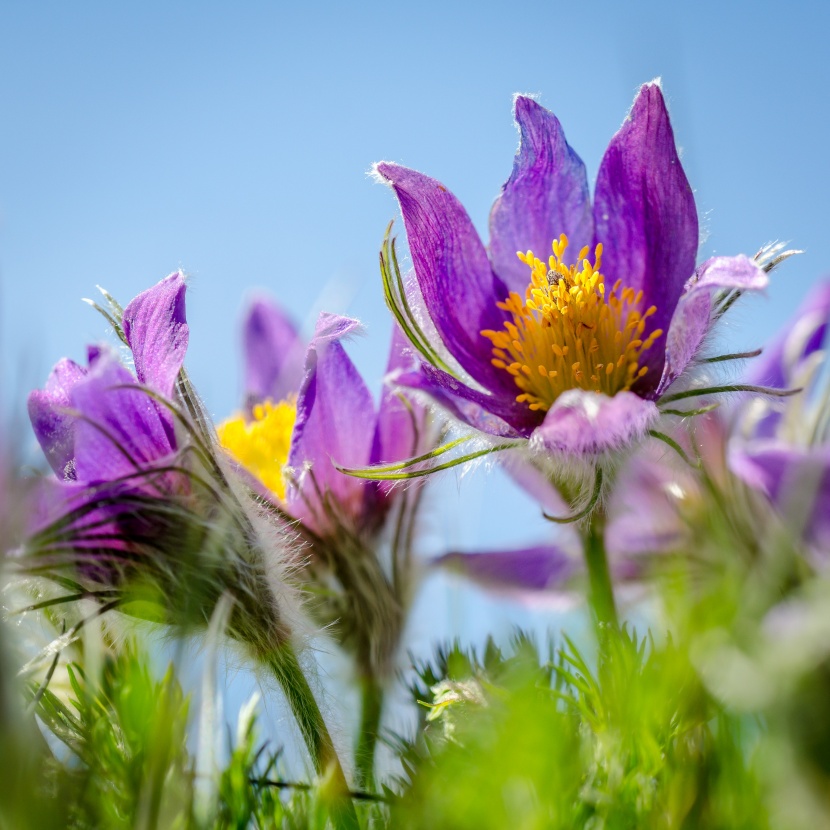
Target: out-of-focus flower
295,446
573,350
783,449
778,449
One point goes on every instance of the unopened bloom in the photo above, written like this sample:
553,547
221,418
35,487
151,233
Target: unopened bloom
572,342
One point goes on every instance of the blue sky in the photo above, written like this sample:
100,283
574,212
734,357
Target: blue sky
234,143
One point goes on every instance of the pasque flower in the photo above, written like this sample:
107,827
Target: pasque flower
295,446
140,495
148,515
109,437
572,342
783,451
661,502
299,428
306,420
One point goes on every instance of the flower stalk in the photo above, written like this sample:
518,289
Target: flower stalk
600,591
371,709
283,663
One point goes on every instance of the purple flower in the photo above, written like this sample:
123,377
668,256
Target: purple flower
773,446
571,350
274,353
339,426
296,448
95,423
106,433
303,425
659,503
783,450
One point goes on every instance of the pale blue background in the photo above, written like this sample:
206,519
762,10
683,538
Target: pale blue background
233,141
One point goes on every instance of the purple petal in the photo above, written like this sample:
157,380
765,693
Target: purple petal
645,215
643,512
157,332
54,426
274,352
803,336
458,285
335,424
584,423
536,484
739,272
688,328
483,412
795,479
692,318
545,196
119,430
541,568
333,327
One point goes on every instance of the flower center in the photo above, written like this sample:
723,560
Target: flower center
569,332
261,444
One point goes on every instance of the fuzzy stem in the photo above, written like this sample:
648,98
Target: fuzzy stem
371,709
286,668
601,592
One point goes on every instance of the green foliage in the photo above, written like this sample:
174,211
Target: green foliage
629,739
126,731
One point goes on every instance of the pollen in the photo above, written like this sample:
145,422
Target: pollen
571,331
262,442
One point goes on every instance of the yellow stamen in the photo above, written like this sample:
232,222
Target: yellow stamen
261,444
567,310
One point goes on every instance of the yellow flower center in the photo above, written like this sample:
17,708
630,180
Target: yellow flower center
569,332
261,444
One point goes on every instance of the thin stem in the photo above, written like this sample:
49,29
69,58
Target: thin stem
371,709
335,791
601,593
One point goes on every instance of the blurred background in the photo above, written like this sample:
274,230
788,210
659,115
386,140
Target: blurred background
235,143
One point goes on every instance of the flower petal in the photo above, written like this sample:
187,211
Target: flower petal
645,215
584,423
274,352
545,196
540,568
458,285
795,479
54,426
335,423
537,484
692,318
484,412
643,511
119,429
781,362
156,329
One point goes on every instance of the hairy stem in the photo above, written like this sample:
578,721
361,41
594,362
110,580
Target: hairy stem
371,703
601,591
286,668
